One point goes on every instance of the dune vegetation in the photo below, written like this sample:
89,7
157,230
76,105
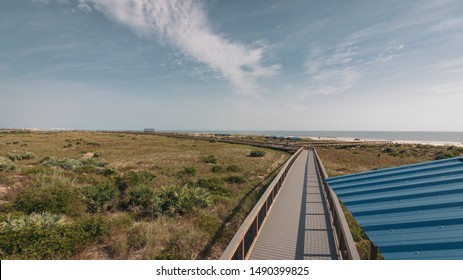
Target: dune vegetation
95,195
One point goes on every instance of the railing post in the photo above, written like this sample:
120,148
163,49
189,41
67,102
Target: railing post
372,252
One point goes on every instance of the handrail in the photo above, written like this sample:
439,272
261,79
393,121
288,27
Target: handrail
346,244
239,247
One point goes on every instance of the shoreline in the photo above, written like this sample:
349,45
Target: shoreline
395,141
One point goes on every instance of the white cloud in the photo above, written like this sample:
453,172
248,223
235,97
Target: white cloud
42,1
84,7
453,65
445,89
447,24
184,24
331,71
48,1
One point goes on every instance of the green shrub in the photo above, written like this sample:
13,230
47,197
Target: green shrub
20,155
188,171
391,151
88,165
174,200
140,198
444,155
257,153
132,179
233,168
235,179
107,172
101,197
213,183
6,165
217,169
55,242
55,199
65,163
210,159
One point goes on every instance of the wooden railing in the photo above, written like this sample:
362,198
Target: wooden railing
344,240
242,242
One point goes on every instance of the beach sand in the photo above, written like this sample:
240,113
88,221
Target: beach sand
432,143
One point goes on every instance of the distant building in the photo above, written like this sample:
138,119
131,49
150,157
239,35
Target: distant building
149,130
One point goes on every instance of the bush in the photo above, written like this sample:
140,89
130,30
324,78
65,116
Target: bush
100,197
54,199
444,155
6,165
87,165
235,179
20,155
132,179
174,200
213,183
257,153
189,171
210,159
140,199
217,169
55,242
65,163
233,168
391,151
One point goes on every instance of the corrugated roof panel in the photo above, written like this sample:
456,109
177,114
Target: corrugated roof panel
409,212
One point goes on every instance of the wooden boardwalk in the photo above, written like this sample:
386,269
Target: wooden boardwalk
298,226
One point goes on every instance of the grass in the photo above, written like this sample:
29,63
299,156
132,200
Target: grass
159,198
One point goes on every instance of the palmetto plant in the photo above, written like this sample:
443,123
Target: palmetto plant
38,220
174,200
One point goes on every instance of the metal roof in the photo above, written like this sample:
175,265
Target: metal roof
409,212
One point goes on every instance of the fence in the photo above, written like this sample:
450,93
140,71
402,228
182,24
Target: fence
242,242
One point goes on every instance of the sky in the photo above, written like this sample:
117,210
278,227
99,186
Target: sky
232,65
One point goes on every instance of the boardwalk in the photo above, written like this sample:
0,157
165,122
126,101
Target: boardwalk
298,225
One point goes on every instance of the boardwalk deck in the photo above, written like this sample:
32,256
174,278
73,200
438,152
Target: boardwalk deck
298,225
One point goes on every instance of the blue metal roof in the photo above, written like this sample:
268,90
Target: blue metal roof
409,212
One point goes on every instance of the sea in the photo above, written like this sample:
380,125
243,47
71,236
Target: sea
395,136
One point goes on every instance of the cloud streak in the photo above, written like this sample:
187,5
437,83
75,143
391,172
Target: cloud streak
184,24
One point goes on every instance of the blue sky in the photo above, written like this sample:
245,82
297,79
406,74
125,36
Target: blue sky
232,65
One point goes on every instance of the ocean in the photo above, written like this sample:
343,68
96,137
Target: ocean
424,136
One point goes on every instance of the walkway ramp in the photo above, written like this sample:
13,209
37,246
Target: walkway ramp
298,224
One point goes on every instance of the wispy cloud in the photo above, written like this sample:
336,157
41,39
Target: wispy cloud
454,89
331,71
447,24
453,65
184,23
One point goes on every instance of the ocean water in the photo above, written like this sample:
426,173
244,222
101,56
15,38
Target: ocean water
434,136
